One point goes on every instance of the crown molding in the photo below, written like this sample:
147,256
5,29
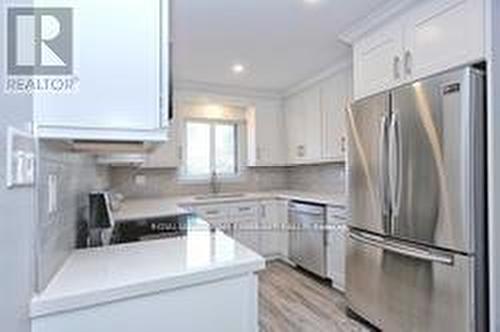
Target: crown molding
375,19
214,89
330,71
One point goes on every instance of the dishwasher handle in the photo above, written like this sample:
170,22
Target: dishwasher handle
307,209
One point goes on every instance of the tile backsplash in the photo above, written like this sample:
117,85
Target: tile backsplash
326,178
74,176
166,182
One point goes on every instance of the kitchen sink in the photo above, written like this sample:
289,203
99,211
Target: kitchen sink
218,196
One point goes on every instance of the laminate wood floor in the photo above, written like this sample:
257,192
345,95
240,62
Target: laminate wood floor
290,300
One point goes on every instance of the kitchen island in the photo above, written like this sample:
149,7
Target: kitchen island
203,281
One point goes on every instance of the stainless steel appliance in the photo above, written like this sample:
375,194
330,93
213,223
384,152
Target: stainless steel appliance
308,237
416,246
100,223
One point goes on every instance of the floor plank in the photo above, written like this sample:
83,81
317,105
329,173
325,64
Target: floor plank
291,300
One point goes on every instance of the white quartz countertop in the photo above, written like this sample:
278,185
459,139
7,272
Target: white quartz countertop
101,275
148,208
134,209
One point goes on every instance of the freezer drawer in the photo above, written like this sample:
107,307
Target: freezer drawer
401,288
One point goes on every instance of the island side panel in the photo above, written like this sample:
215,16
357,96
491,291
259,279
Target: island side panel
225,305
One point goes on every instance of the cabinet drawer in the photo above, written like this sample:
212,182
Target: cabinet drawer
250,209
211,212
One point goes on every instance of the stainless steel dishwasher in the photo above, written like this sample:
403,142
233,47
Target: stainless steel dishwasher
308,236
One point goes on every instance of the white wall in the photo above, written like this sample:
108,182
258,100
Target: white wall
16,214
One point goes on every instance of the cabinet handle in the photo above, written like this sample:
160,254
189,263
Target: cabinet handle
179,152
242,209
263,211
395,67
408,63
258,154
343,144
301,151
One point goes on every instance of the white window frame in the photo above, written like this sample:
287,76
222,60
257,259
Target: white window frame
185,177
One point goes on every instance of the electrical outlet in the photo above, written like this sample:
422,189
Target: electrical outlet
20,158
140,180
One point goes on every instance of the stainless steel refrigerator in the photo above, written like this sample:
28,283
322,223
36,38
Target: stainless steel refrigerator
416,173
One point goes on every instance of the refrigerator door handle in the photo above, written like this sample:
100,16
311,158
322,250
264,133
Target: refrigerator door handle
395,163
417,253
384,176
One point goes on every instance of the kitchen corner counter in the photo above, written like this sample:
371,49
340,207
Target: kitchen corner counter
144,208
103,275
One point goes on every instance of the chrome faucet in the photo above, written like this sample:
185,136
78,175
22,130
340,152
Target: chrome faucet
214,185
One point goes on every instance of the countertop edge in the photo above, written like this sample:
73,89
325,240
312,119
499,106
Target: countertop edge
45,307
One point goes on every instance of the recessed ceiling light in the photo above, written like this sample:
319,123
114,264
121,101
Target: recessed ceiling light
312,2
238,68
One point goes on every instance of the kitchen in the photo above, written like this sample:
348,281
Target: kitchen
286,166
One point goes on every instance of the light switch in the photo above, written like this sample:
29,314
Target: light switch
20,158
52,193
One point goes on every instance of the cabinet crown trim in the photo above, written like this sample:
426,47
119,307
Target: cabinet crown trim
375,19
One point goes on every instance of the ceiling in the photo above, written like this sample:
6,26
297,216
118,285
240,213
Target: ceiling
280,42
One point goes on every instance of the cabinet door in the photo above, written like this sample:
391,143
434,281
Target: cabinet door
274,232
311,115
117,61
336,253
444,34
295,129
265,127
378,60
336,93
270,234
245,231
244,218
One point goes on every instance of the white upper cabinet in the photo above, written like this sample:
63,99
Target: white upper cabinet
444,34
121,62
378,60
336,93
315,120
303,120
311,123
431,37
295,129
265,134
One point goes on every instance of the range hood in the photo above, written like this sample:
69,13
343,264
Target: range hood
115,153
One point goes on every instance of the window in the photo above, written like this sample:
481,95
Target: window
211,146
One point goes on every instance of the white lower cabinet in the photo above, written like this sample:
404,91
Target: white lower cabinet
259,225
216,215
336,246
274,232
244,218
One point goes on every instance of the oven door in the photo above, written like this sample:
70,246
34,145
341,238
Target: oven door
397,287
